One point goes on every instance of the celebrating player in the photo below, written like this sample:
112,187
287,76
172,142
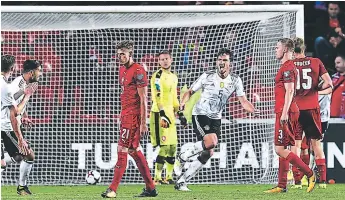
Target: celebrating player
217,86
287,114
309,72
13,100
133,81
162,117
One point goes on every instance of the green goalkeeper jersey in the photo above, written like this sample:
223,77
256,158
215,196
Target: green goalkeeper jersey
164,91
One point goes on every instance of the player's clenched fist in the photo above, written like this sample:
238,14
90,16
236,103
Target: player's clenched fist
165,121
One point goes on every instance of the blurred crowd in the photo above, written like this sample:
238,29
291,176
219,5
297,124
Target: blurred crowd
80,74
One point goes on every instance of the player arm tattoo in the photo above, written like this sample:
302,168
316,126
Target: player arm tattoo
142,91
289,93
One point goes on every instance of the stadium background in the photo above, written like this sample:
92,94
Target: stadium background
69,95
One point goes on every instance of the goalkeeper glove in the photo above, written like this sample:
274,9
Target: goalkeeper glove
182,119
165,121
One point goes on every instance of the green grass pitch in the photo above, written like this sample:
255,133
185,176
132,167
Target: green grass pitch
207,192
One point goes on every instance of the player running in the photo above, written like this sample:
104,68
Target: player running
162,118
310,70
217,86
133,81
287,114
14,98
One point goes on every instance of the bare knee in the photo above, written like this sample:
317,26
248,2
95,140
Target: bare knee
30,156
281,151
318,151
210,141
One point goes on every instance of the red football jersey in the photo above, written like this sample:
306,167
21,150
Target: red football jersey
309,71
131,79
286,74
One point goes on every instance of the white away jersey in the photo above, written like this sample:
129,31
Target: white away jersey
325,107
16,87
215,93
7,101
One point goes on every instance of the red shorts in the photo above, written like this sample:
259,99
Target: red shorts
310,122
284,135
129,131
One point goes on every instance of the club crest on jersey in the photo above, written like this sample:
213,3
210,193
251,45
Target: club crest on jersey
163,138
221,84
287,74
207,127
140,76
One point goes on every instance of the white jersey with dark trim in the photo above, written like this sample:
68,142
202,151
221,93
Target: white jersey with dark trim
215,93
7,101
325,107
15,95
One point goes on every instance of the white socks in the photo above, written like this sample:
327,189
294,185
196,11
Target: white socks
8,159
25,168
194,167
195,149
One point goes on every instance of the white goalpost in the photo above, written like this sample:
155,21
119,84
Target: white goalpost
77,105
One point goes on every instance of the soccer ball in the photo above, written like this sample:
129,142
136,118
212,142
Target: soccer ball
93,177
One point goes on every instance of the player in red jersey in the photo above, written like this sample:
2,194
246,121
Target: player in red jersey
310,70
287,117
133,81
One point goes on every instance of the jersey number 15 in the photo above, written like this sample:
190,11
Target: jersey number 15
306,85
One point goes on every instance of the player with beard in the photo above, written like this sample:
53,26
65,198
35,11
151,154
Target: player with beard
217,86
13,115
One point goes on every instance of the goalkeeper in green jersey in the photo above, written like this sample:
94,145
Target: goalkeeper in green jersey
162,117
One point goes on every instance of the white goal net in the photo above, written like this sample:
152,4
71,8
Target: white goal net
77,105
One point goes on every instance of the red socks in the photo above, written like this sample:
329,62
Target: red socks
321,166
143,168
282,172
306,159
119,170
296,161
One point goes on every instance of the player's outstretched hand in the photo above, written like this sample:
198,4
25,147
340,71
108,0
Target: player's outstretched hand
23,147
27,123
284,119
31,88
143,130
182,119
165,121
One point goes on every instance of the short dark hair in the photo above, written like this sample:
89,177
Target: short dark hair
333,2
164,52
127,44
341,55
7,62
225,51
288,43
30,65
299,45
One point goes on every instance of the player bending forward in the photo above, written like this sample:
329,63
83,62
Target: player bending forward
287,114
13,104
133,81
217,87
162,118
310,70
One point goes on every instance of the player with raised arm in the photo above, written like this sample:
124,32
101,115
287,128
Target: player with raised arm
287,114
217,86
310,70
14,99
162,118
133,81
